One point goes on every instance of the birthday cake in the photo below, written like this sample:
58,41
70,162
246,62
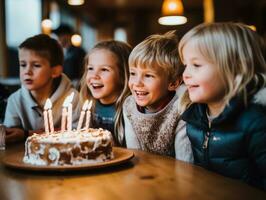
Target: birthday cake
69,148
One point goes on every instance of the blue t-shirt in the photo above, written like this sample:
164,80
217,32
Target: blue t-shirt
103,116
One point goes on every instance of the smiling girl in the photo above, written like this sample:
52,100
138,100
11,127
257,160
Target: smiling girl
226,76
105,82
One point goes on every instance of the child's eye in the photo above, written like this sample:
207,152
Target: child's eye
105,70
197,65
22,65
149,75
90,68
37,65
132,73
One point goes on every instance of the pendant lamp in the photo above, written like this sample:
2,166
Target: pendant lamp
172,13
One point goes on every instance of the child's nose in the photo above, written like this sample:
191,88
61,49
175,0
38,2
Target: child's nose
138,81
28,70
186,73
94,74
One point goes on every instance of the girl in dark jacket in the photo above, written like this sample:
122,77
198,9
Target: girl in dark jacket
226,120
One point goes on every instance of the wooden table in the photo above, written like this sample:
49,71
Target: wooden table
146,176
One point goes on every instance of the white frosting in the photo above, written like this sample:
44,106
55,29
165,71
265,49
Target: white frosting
57,143
34,160
54,155
74,136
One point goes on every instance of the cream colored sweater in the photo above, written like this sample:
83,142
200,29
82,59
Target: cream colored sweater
162,132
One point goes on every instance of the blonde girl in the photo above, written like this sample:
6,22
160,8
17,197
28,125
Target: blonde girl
226,76
105,82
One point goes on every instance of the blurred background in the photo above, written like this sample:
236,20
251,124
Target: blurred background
125,20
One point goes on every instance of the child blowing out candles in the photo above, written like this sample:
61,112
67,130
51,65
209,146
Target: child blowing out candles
40,59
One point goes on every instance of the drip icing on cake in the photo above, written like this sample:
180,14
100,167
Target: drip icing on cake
69,148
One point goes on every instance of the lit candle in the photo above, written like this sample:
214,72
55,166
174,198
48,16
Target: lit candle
88,116
45,121
45,116
63,121
69,113
50,115
82,114
64,114
69,117
51,121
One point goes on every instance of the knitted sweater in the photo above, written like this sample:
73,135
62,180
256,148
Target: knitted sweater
161,132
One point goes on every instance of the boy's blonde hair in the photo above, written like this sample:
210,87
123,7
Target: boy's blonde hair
236,51
121,50
158,51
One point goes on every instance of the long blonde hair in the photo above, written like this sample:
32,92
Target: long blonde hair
236,51
121,50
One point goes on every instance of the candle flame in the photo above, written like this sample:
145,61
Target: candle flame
66,102
85,105
68,99
48,104
90,104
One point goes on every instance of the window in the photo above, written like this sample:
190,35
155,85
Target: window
23,19
120,34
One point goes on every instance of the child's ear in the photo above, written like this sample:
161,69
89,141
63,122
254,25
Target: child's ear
174,85
57,71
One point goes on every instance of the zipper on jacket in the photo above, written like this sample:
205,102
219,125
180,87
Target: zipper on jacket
207,138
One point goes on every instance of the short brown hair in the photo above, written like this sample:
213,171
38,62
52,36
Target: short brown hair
46,47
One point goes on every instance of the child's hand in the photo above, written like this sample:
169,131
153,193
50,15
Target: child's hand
14,135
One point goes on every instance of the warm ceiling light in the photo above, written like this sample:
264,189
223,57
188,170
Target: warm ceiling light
75,2
76,40
172,13
252,27
172,20
46,26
